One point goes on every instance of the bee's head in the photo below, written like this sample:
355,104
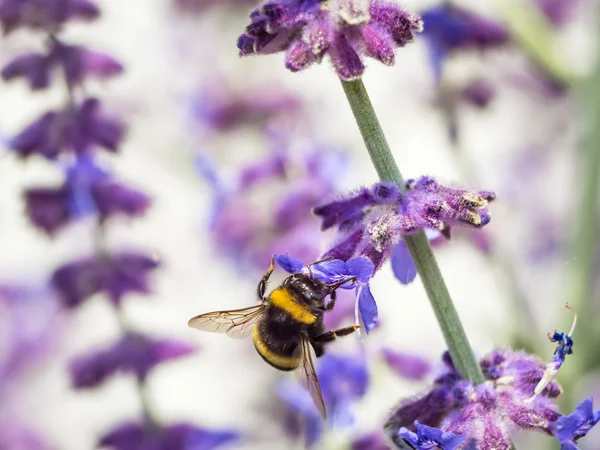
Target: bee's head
309,290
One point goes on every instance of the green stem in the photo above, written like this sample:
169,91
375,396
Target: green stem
418,245
580,282
534,34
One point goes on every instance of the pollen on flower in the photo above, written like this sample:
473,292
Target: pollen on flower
372,221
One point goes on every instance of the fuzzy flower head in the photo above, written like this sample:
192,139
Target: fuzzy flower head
486,414
345,30
373,221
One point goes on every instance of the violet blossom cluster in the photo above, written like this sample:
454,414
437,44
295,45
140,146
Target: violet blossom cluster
72,136
519,393
345,30
372,222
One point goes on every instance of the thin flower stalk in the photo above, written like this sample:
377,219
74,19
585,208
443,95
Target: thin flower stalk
418,244
580,281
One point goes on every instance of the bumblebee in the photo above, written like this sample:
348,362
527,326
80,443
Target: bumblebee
287,326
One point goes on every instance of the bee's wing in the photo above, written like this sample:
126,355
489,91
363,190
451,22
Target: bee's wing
307,376
236,323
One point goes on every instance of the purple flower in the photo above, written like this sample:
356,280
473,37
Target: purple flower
346,30
485,414
140,436
250,233
34,67
115,275
427,438
44,14
344,379
223,110
134,353
479,93
557,11
576,425
407,365
373,221
450,28
371,441
77,131
334,270
88,189
76,62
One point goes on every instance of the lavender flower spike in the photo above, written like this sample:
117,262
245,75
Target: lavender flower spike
373,221
346,30
565,347
487,413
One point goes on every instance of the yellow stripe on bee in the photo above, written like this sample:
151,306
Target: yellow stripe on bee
279,361
282,299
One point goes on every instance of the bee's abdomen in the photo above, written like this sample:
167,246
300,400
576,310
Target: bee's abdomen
277,352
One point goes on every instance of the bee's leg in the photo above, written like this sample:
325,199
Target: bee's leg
332,335
329,306
337,284
262,285
308,266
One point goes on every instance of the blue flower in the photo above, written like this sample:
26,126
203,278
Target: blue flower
334,270
428,438
577,424
564,348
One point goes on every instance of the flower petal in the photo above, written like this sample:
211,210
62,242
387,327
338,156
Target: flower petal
289,264
367,307
362,268
403,264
